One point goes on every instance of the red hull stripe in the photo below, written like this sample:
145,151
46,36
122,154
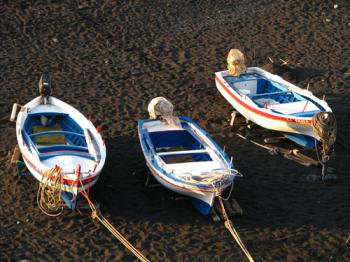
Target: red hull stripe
66,181
250,108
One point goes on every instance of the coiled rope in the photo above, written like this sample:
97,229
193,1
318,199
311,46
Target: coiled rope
97,214
49,192
232,230
50,202
324,127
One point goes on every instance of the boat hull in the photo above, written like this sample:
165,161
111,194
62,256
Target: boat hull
202,201
298,129
72,181
202,196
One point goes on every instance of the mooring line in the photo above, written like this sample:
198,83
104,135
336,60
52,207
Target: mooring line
232,230
96,214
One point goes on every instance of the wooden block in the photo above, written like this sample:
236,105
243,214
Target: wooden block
214,215
236,207
16,155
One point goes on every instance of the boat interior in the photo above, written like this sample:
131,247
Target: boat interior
175,146
55,135
180,149
269,94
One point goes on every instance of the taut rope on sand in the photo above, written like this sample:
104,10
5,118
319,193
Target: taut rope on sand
97,214
232,230
50,202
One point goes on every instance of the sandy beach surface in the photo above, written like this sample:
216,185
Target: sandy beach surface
109,58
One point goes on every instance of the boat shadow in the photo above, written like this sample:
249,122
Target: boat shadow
122,191
274,192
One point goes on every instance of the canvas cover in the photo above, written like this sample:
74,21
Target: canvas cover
235,62
160,107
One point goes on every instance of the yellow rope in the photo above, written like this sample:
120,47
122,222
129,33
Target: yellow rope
49,192
96,214
232,230
50,202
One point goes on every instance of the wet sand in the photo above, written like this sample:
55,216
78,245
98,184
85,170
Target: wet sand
109,59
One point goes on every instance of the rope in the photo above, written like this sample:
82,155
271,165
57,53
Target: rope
49,192
324,127
97,214
50,202
232,230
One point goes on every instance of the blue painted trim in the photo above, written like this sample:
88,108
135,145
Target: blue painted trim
29,142
201,206
303,140
70,199
47,114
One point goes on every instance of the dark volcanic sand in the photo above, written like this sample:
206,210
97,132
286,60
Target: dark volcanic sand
109,58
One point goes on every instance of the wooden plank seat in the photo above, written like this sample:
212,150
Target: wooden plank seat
185,152
46,155
269,94
51,149
55,132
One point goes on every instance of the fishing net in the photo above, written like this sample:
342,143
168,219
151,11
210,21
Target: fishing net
160,107
235,62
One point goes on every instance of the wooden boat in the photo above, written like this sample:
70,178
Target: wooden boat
52,134
186,160
273,103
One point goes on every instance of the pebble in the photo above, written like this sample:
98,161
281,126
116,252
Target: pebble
330,177
328,20
18,222
55,39
335,6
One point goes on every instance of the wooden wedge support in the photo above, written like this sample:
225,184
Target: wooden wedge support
153,183
291,154
85,206
312,161
231,206
295,155
16,155
237,210
214,215
272,140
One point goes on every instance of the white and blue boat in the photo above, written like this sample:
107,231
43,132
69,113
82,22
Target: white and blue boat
52,134
186,160
274,103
